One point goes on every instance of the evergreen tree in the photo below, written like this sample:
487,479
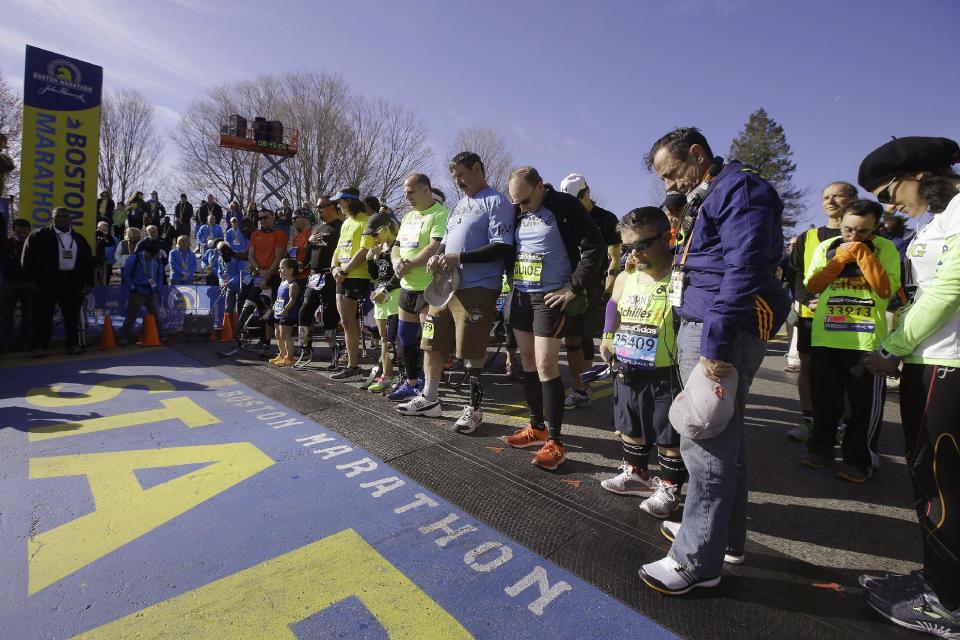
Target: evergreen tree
763,146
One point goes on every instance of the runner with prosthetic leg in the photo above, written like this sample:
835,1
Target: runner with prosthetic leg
639,334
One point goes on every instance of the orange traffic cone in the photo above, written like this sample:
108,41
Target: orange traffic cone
107,340
148,335
226,334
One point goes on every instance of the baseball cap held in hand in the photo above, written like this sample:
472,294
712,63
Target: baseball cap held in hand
704,407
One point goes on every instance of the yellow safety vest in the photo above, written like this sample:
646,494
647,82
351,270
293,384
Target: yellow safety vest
810,244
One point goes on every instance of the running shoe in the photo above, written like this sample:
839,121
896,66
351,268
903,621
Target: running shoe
921,612
664,500
894,585
527,437
669,530
420,406
628,483
801,432
275,359
666,576
816,461
285,362
791,367
550,456
404,392
893,384
576,398
379,385
346,374
469,420
854,474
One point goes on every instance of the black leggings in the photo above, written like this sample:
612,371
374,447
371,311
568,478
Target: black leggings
930,412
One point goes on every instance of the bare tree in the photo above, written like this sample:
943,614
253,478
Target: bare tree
493,151
130,148
11,124
344,140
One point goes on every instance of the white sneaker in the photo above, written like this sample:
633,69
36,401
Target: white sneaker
420,406
628,483
469,420
670,529
664,500
666,576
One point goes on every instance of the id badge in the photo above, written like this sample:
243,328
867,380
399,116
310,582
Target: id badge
314,281
67,254
292,253
152,282
675,294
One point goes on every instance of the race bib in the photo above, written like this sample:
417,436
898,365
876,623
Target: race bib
292,253
315,281
528,267
501,303
278,306
844,313
636,345
675,293
409,237
346,251
428,328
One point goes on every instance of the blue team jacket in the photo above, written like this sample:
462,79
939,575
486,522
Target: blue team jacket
138,273
730,270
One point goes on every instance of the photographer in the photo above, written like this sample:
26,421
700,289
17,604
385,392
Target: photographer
104,239
142,275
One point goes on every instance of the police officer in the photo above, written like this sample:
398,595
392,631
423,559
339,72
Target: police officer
60,262
559,252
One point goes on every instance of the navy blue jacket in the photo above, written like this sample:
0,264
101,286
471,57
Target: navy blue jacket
730,271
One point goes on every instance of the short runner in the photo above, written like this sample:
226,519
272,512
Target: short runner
412,301
353,288
804,335
641,405
463,326
528,312
389,308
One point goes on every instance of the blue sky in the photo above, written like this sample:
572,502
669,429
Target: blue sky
572,86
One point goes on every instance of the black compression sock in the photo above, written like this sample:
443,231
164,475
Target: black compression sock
553,406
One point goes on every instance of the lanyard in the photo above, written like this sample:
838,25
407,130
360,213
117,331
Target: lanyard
705,188
60,240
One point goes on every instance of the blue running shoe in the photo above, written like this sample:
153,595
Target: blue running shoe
404,392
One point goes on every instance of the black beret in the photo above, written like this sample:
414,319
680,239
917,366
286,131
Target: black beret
903,155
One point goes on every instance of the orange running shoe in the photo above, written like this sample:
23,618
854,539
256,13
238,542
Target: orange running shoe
527,437
550,456
285,362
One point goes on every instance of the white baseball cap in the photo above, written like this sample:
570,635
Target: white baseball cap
442,287
573,184
704,407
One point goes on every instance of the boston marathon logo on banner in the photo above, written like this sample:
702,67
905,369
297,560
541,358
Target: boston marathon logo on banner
61,139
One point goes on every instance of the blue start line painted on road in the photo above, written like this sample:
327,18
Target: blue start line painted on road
145,496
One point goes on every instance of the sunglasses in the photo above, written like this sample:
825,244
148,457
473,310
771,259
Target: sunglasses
884,196
639,245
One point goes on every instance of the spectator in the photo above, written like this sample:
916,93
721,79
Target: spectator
128,246
153,233
235,238
119,220
207,208
253,213
16,287
233,213
183,216
105,207
6,165
208,262
168,234
285,217
372,204
137,212
142,275
155,208
102,265
305,205
60,263
228,274
895,230
183,262
209,231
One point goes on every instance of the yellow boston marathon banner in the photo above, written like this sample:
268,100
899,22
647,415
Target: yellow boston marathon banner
61,139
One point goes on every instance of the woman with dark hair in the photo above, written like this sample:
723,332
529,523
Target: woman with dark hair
138,215
348,267
914,175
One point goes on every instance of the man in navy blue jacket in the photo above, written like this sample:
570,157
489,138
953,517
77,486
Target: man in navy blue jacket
730,303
